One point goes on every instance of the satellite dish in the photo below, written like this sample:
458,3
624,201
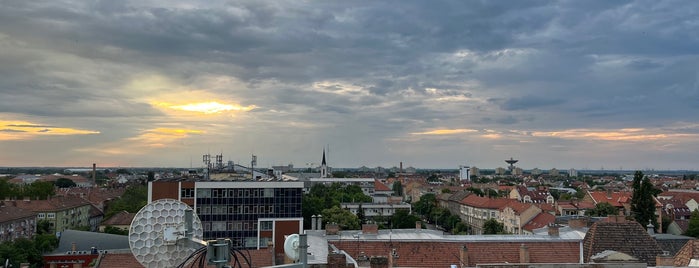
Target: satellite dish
157,232
291,246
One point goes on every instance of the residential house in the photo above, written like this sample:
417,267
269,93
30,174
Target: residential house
16,223
476,210
531,195
62,212
621,235
515,215
121,220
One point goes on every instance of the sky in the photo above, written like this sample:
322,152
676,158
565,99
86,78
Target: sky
432,84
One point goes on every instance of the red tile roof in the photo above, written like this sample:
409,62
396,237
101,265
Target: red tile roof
484,202
444,254
540,221
616,199
379,186
53,204
9,213
121,218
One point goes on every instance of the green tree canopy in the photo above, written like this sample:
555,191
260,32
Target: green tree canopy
693,228
492,226
402,219
65,183
642,200
397,188
425,205
323,196
133,199
602,210
344,218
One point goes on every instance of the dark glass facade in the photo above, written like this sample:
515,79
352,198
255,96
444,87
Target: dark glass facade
234,212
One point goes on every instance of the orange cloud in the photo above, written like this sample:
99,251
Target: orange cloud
211,107
626,134
161,137
22,130
445,131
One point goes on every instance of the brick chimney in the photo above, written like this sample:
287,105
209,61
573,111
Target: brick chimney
463,255
577,223
523,254
332,229
337,260
553,230
664,260
378,262
370,228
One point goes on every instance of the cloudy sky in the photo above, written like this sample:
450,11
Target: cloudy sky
434,84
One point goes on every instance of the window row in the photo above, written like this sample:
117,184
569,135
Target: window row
255,192
234,209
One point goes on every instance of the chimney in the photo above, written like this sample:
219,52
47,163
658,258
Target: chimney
313,222
378,262
577,223
94,173
336,260
651,228
401,167
73,246
463,255
523,254
319,225
393,258
418,225
609,193
332,229
553,230
370,228
664,260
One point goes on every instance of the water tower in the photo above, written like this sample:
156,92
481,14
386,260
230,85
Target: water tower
512,164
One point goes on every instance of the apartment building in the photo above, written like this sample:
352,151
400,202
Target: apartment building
16,223
62,212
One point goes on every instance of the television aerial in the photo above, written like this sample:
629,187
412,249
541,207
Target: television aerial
159,232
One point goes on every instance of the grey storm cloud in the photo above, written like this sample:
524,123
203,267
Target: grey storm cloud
378,70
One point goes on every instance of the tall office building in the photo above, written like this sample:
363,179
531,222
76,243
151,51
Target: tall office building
251,213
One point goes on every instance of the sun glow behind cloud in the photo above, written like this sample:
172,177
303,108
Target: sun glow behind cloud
161,137
212,107
445,131
22,130
626,134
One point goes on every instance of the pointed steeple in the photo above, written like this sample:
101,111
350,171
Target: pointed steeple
323,167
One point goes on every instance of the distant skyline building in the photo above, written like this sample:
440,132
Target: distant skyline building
554,172
500,171
536,171
572,172
464,174
517,171
475,171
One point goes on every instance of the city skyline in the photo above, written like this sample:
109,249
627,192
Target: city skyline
440,84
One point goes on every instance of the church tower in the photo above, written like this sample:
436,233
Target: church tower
323,167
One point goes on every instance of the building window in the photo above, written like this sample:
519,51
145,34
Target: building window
265,226
51,215
187,193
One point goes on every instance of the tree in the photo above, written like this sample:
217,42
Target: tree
642,200
693,228
602,210
65,183
115,230
492,226
40,190
133,199
397,188
344,218
403,220
425,205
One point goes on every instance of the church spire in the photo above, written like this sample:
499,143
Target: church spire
323,167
